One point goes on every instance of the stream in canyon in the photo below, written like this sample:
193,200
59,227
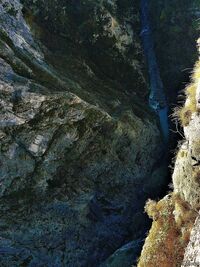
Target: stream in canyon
84,151
157,98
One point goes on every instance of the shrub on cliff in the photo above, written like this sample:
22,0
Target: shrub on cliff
172,222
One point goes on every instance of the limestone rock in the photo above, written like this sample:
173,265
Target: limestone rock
77,147
192,252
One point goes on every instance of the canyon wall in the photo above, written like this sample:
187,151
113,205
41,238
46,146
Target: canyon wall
81,151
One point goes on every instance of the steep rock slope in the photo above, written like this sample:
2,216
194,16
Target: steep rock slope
80,152
174,216
175,29
107,32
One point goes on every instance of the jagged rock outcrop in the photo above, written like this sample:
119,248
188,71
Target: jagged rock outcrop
80,152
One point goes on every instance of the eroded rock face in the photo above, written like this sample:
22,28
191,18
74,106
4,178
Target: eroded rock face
79,155
192,252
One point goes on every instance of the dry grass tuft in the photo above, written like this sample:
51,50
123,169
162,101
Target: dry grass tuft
184,113
151,209
172,222
196,72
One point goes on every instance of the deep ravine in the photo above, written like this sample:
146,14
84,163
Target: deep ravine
80,148
157,98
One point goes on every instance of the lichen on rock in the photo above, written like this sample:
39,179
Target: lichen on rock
75,168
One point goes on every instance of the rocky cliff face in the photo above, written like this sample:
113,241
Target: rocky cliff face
192,252
174,237
80,150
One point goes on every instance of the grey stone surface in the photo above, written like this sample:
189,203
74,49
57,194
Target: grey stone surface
192,252
77,150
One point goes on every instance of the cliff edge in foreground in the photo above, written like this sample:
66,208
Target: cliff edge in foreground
174,239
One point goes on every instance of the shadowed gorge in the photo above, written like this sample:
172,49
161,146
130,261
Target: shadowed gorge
81,149
157,98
